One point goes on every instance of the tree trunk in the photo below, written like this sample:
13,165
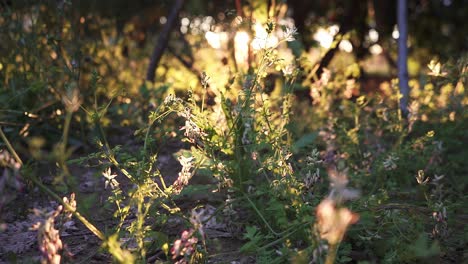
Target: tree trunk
163,40
402,17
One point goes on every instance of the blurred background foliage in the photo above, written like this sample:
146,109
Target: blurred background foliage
59,44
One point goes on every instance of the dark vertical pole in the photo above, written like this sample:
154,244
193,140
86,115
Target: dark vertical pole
402,17
163,39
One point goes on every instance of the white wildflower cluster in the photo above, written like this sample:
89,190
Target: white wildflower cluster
48,236
390,162
314,158
333,220
290,33
285,166
312,178
192,131
184,247
313,172
172,100
245,136
184,175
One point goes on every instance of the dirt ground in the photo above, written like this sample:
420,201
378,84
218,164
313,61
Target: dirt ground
19,244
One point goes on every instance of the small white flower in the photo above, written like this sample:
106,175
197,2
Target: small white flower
421,178
390,162
110,179
196,219
288,70
438,177
186,162
289,34
314,158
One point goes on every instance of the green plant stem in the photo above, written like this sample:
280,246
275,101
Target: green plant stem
203,98
283,237
75,213
113,160
261,216
145,144
331,256
10,147
110,154
45,189
63,145
66,129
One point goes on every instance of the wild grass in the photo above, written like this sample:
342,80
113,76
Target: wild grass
324,180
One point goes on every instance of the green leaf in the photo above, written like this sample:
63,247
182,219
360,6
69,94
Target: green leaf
303,142
421,247
254,237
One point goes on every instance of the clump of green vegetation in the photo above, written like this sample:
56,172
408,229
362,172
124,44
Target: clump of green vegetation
233,155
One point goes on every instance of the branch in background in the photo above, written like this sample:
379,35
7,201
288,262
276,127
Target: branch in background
187,46
325,61
163,39
239,8
402,17
353,18
187,64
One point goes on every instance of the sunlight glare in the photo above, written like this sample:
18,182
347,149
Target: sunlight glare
395,33
262,40
373,35
216,39
185,21
241,45
346,46
375,49
325,36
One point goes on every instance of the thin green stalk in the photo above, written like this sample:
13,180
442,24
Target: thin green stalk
163,182
66,129
110,153
261,216
164,114
75,213
63,145
45,189
283,237
331,256
203,98
10,147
